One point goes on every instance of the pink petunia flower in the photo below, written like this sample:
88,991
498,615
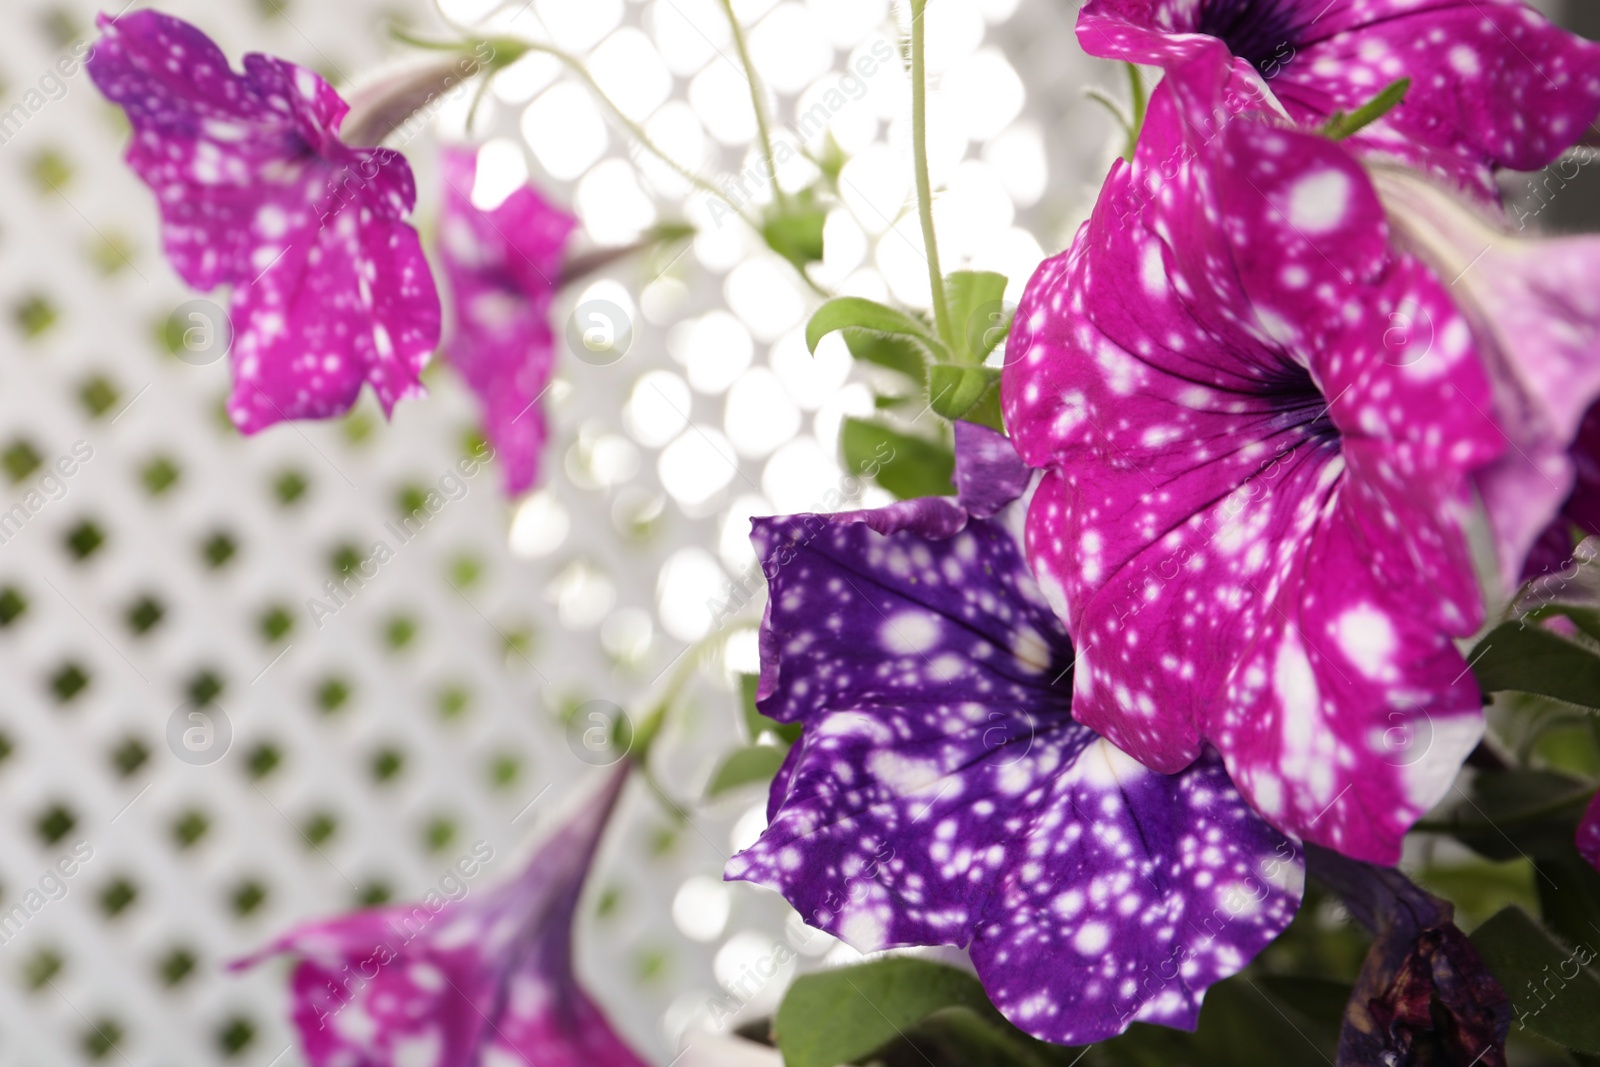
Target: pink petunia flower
1254,516
1493,84
503,267
256,190
460,983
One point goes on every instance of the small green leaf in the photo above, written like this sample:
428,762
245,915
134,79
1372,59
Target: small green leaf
977,311
796,234
1342,125
847,311
758,763
887,350
1531,659
843,1015
757,723
830,160
1551,992
968,393
906,466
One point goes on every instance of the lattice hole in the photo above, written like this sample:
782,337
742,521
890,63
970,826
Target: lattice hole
98,395
68,681
13,605
129,756
144,615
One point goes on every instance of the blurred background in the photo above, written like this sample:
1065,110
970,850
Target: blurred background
353,757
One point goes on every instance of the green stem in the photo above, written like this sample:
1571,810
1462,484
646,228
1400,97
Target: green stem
758,102
919,150
1141,102
650,726
634,129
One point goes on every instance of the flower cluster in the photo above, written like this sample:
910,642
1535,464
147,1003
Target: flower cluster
1267,400
1288,419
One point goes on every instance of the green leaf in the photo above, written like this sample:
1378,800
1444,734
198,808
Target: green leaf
1511,815
906,466
1551,992
844,312
968,393
758,763
1531,659
796,234
977,311
1569,897
757,723
1246,1021
897,353
1342,125
844,1015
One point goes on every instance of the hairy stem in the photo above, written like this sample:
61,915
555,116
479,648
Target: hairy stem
919,150
757,101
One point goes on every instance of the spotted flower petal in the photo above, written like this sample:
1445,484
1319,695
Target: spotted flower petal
941,793
1589,833
1493,83
460,983
330,286
1253,516
989,474
503,267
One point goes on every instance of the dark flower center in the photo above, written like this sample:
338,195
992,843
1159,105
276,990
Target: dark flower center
1263,32
1299,406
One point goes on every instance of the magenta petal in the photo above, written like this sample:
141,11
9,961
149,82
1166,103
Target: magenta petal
1254,516
449,983
941,792
1494,84
256,191
503,267
1589,833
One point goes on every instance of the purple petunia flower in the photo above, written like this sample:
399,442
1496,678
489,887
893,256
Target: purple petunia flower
503,267
330,286
941,792
1589,833
1254,516
464,982
1493,83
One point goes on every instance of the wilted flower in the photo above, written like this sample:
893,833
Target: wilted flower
330,287
503,267
463,982
1424,994
1493,83
941,792
1254,514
